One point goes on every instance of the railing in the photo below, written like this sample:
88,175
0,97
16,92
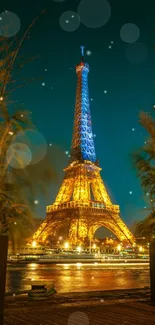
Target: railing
80,204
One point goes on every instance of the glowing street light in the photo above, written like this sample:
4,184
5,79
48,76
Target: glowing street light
119,248
140,248
34,244
66,245
79,249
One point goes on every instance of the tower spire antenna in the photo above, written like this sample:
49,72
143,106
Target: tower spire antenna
82,52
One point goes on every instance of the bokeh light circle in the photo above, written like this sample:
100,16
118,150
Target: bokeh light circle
94,13
129,33
18,155
69,21
77,318
137,53
9,24
36,143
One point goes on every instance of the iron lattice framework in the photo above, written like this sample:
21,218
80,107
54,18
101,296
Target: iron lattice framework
82,203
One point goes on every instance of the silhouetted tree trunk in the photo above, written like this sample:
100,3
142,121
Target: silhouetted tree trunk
152,270
3,265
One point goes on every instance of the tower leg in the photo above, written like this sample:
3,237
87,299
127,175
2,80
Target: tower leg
78,231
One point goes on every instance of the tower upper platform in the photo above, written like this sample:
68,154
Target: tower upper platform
82,141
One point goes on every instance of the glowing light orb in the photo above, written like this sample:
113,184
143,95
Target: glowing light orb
18,155
94,13
34,243
77,318
79,249
69,21
119,248
129,33
9,24
66,245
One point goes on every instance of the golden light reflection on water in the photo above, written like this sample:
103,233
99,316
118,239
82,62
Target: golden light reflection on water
77,277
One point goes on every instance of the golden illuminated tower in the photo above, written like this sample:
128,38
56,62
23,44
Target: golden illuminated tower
82,204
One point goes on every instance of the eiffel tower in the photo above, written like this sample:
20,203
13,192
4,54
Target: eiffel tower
82,204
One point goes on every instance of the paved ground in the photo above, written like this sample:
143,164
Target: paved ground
117,307
128,313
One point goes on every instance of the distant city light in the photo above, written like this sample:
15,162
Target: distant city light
140,248
34,243
133,129
1,98
43,84
79,249
36,202
50,144
112,42
130,192
66,152
110,47
94,246
105,91
66,245
22,115
119,248
10,132
67,21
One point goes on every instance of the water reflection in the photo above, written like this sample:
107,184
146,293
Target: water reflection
76,277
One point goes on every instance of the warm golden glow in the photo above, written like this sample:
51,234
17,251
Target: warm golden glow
82,204
119,248
66,245
141,249
94,246
79,249
34,243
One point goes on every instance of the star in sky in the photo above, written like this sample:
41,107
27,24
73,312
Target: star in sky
88,52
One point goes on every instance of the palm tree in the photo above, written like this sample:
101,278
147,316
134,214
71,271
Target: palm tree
144,162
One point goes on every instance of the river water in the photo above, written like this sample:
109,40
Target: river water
76,277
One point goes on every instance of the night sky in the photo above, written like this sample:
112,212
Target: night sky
121,82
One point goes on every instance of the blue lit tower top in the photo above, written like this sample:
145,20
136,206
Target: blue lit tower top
82,141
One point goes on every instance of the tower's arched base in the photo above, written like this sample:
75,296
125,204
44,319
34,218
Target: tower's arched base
82,223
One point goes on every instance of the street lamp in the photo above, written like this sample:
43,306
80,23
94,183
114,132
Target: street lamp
66,245
34,244
79,249
119,248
